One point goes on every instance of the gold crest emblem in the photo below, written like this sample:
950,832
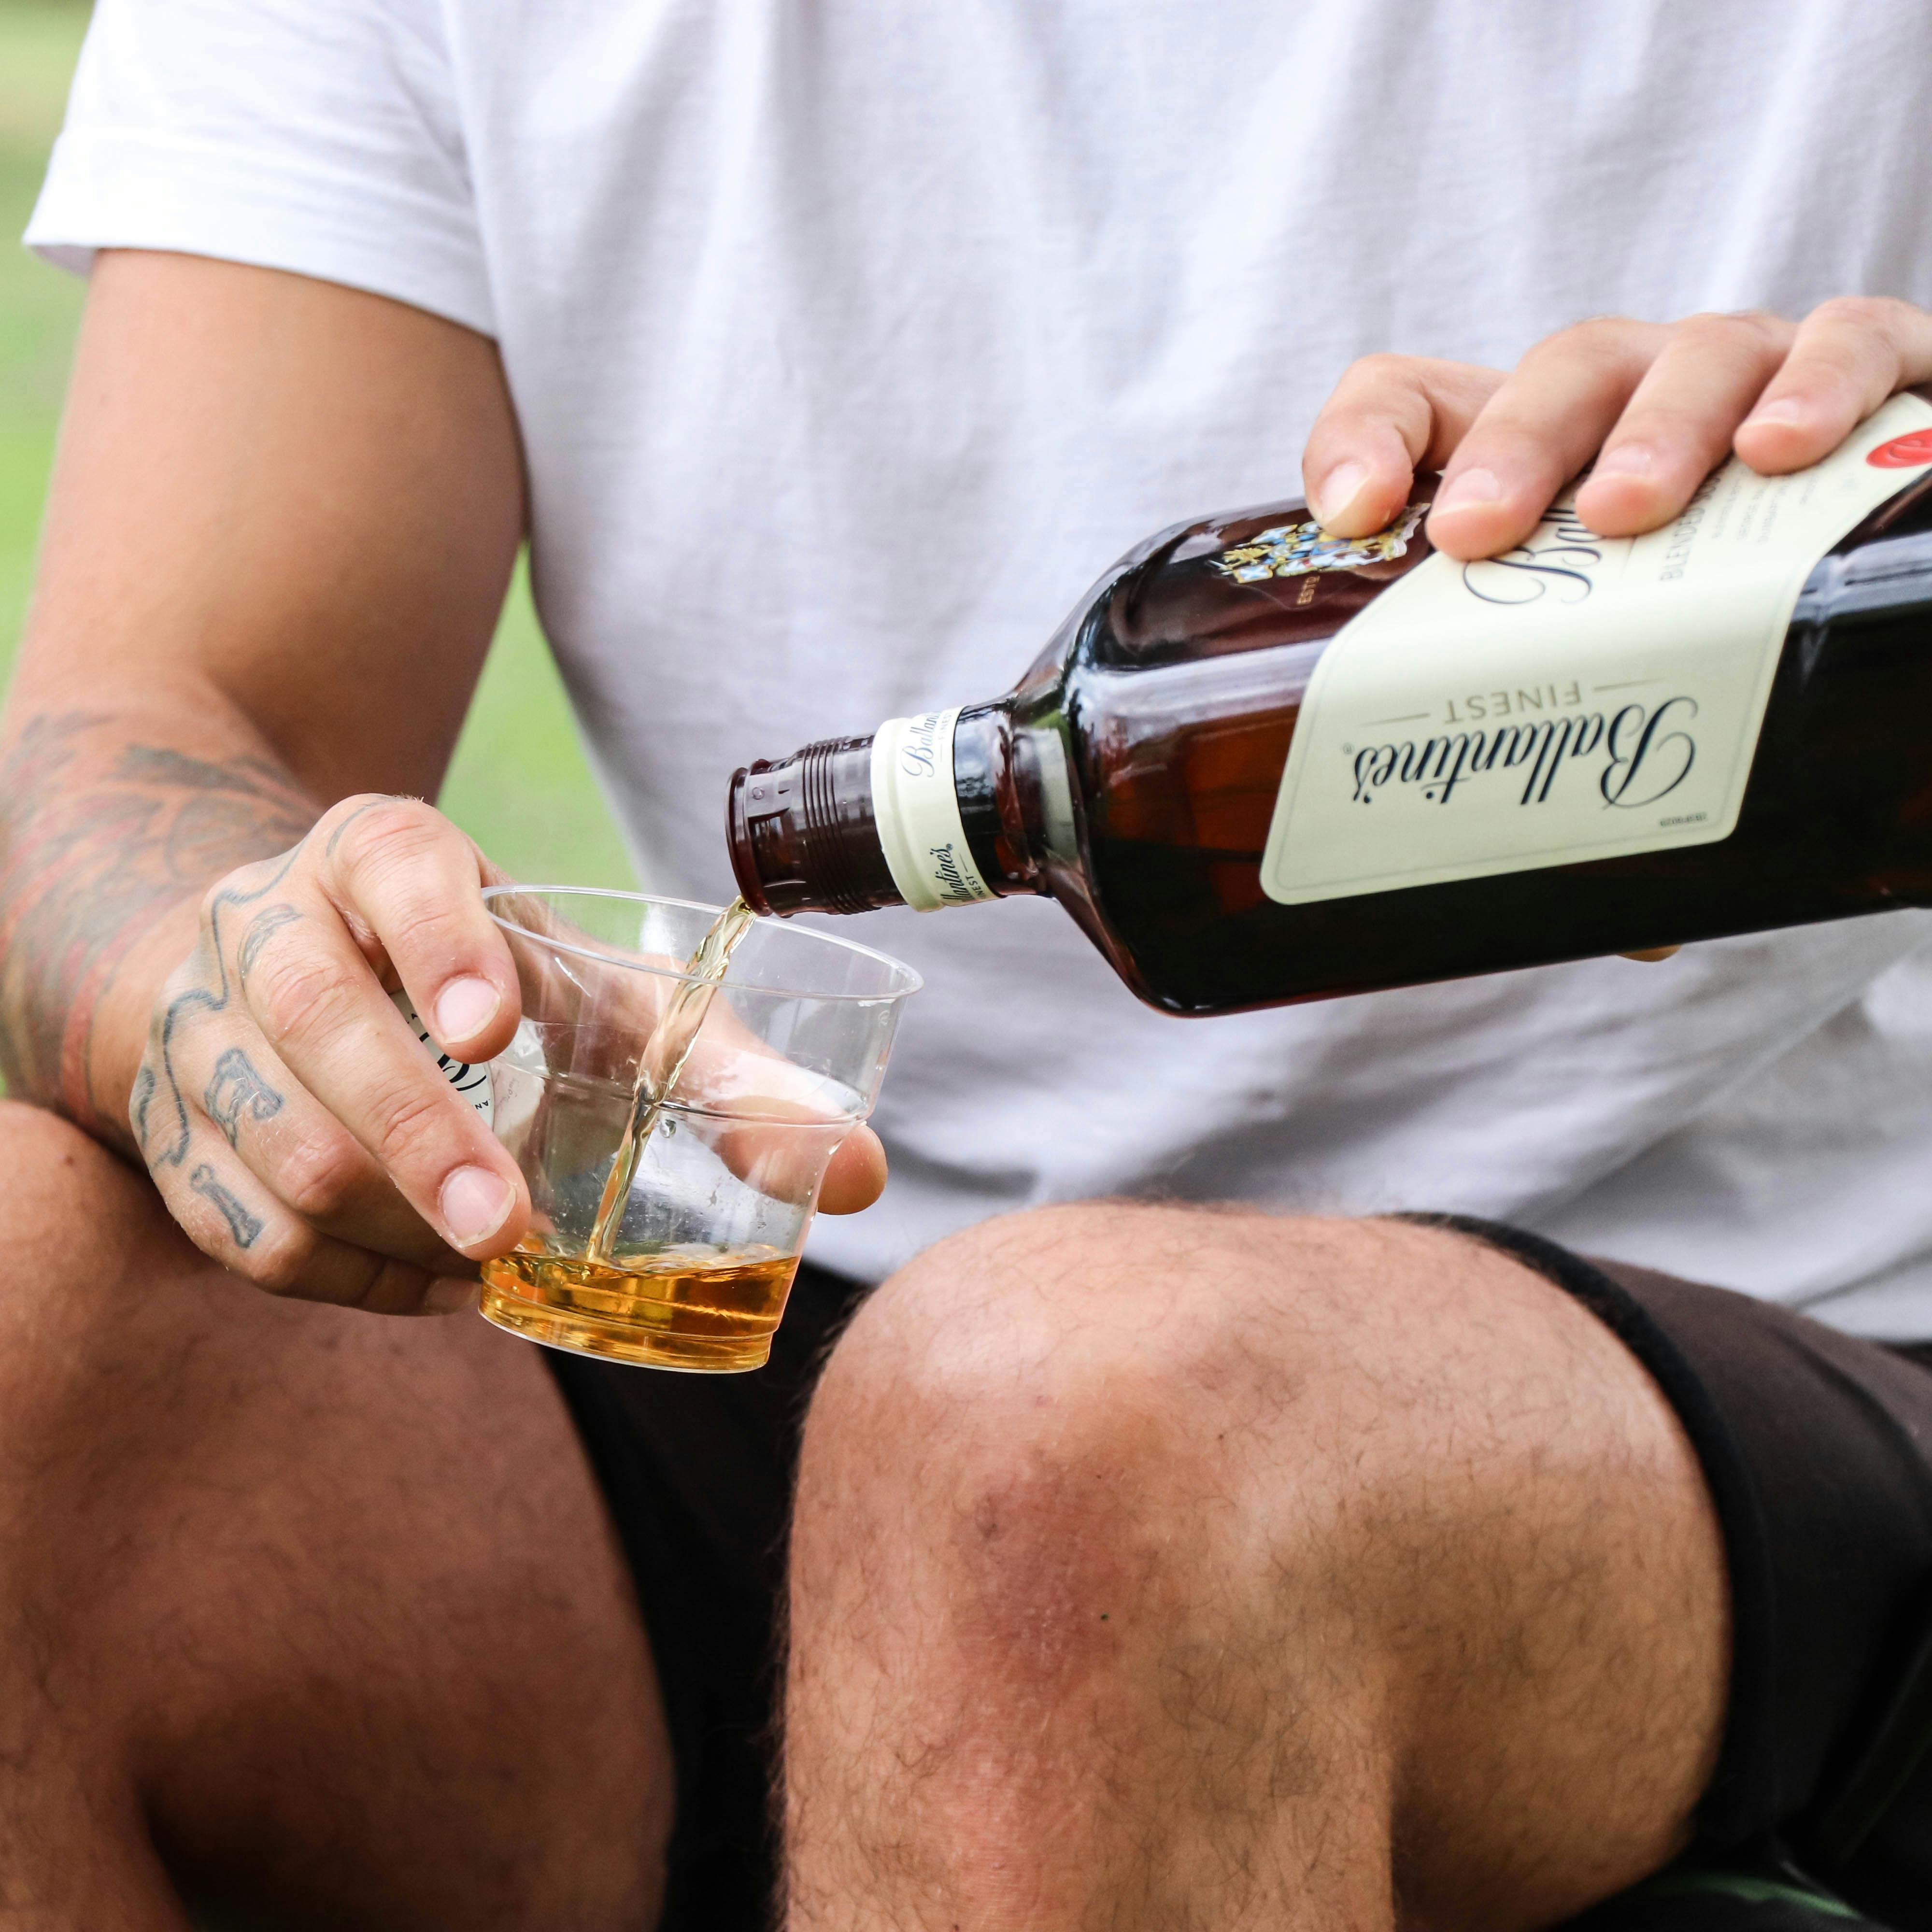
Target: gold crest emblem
1292,550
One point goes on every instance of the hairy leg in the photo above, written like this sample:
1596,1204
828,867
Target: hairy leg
308,1614
1161,1568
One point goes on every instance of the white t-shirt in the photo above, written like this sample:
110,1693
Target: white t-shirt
850,341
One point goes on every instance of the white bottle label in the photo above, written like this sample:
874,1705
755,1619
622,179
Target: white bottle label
917,812
1581,697
470,1078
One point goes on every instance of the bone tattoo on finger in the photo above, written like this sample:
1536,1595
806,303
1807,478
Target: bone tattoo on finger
242,1226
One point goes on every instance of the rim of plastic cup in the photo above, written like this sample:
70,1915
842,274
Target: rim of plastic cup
914,980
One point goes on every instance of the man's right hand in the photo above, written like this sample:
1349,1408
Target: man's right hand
282,519
293,1122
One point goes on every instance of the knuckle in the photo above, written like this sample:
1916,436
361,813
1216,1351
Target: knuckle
376,831
1841,356
1383,364
1378,373
277,1264
1596,336
1752,329
209,913
1671,424
369,1292
1877,314
346,813
319,1177
280,1269
1766,321
305,996
183,979
389,1287
408,1119
422,918
222,890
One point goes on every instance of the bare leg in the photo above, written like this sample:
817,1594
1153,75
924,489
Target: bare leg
1158,1568
315,1614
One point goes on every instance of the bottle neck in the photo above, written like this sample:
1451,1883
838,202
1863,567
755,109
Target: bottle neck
924,813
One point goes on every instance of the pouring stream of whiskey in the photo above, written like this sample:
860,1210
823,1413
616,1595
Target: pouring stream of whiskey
661,1063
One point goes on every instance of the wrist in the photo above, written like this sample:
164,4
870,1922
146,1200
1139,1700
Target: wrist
105,1032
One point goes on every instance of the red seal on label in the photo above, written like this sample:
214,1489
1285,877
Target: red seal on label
1903,452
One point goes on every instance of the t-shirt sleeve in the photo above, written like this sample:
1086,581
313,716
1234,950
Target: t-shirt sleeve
322,136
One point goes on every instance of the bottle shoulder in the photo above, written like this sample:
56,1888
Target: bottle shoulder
1882,564
1244,581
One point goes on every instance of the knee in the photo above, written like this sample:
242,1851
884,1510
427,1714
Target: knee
1051,1404
87,1240
1104,1330
1070,1412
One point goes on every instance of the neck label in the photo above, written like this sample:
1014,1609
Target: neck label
1578,698
916,809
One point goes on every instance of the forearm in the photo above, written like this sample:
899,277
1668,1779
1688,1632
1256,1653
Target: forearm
115,819
282,519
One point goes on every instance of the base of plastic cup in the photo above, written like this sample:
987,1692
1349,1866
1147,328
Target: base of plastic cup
579,1333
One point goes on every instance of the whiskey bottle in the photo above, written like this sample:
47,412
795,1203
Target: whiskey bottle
1260,764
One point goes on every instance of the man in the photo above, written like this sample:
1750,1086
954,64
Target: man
1151,1566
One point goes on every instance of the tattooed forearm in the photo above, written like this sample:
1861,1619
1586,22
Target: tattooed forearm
158,765
236,1089
101,835
241,1224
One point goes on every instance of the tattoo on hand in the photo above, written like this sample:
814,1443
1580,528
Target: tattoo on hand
235,1089
241,1224
99,840
205,999
137,1108
261,929
349,818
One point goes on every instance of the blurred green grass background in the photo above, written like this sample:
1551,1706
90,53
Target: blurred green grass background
519,785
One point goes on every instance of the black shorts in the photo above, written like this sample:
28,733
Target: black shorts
1818,1452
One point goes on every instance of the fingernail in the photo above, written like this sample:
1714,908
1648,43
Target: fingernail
447,1295
474,1203
1472,488
1627,459
1786,410
464,1008
1341,486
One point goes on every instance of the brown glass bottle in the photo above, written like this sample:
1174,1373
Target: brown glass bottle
1133,774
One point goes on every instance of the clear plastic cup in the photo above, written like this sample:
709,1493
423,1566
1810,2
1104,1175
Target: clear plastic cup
787,1063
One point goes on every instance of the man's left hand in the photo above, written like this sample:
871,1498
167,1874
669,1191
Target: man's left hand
1658,405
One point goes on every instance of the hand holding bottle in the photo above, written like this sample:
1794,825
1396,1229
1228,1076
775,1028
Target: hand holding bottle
1428,726
1658,406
